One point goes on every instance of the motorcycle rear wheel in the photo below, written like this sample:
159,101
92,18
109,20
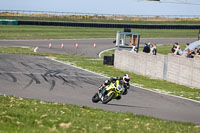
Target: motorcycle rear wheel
95,98
108,99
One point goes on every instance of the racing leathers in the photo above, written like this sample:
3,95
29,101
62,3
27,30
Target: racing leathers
126,85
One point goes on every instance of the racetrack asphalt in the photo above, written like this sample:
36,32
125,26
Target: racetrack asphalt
44,79
41,78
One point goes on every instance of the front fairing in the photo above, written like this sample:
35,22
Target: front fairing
116,88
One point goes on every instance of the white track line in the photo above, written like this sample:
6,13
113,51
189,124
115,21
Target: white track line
105,51
131,84
77,67
169,94
35,50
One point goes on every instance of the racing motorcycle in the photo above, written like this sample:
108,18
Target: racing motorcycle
112,91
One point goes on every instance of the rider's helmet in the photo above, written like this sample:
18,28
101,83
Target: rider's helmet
126,78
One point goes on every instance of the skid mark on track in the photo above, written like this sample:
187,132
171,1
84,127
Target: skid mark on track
14,79
51,82
30,73
8,76
33,78
26,65
66,77
41,66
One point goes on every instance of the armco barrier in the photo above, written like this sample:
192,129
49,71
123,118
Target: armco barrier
103,25
177,69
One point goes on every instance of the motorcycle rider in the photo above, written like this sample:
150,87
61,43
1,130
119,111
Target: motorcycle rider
125,81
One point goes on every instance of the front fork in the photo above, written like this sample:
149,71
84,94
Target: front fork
100,96
102,92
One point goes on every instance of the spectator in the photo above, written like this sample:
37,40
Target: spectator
187,44
190,54
151,48
197,52
134,49
146,48
154,51
148,44
173,49
176,49
179,51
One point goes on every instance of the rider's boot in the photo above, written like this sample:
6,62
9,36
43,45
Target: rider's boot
125,91
118,98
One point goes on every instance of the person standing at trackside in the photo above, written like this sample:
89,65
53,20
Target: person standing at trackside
187,44
125,80
154,49
151,48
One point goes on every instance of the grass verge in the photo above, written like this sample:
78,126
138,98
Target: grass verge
25,115
26,32
161,49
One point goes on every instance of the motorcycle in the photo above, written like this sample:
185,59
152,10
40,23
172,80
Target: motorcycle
112,91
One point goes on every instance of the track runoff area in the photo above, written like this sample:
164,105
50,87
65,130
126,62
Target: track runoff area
50,80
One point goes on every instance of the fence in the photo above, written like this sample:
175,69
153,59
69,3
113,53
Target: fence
173,68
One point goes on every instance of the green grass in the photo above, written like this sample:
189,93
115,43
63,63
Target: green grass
17,50
166,49
53,32
26,32
107,53
162,49
29,116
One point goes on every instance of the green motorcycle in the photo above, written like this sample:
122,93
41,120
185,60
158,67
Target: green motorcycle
112,91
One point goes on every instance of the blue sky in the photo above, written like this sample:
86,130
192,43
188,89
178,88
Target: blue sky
125,7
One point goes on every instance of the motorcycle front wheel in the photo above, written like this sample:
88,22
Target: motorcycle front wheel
95,98
108,98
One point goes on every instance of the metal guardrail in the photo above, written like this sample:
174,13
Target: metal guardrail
103,25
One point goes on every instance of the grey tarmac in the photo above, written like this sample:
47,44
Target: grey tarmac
41,78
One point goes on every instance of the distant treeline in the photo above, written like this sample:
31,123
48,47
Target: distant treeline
104,25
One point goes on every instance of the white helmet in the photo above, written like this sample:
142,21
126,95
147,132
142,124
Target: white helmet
126,78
